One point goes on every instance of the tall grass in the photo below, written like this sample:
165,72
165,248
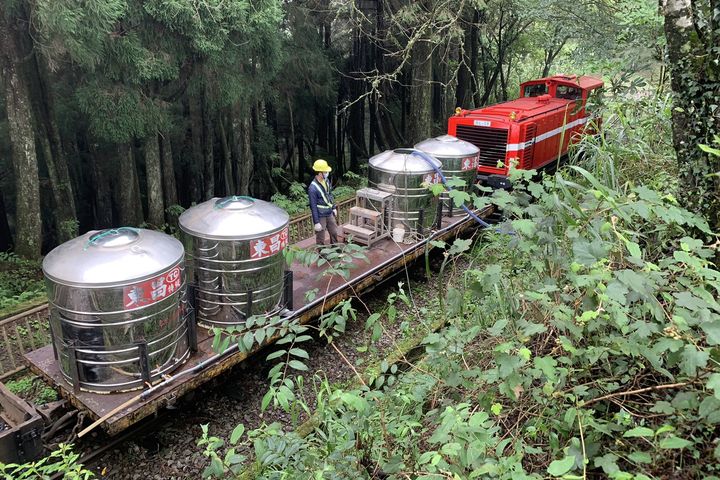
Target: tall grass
635,147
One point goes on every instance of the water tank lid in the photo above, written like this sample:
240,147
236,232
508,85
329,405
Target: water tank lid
447,146
401,160
233,218
115,256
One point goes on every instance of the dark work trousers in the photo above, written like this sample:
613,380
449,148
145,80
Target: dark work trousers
330,224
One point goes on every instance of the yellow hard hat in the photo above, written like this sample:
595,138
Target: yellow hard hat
321,165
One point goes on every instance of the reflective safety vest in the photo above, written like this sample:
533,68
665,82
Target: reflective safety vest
327,204
321,201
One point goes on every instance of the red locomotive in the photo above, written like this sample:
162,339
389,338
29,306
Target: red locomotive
532,132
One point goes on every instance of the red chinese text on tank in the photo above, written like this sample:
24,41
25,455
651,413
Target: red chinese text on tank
153,290
469,163
431,178
270,245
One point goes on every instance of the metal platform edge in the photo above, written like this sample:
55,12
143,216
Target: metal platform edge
123,420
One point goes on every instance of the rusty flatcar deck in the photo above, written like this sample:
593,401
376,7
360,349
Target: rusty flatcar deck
385,258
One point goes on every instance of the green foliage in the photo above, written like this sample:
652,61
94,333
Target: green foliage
119,114
296,200
68,229
63,462
636,144
585,344
335,261
20,280
33,389
79,30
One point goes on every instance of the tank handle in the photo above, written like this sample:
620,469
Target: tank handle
111,231
234,198
404,151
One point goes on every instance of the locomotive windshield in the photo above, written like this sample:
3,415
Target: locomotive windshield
535,90
568,93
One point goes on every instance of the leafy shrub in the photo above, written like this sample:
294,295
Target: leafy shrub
33,389
20,280
63,462
296,201
636,144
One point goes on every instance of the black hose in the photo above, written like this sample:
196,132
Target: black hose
430,162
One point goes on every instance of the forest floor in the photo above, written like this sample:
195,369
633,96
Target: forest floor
169,451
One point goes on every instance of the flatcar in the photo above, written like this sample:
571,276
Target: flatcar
530,132
134,313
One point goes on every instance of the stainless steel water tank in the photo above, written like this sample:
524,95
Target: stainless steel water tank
119,311
459,159
407,177
234,248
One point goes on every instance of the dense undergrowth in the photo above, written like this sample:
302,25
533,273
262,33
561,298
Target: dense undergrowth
585,345
32,389
21,282
295,202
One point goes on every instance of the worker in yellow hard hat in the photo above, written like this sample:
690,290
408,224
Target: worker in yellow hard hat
322,204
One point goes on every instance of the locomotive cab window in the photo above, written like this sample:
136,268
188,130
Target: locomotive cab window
535,90
568,93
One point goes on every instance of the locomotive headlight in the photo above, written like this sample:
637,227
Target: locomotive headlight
513,115
458,110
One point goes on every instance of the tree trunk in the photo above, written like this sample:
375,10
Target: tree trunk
377,133
196,134
128,185
463,91
332,141
28,224
65,217
292,151
5,235
247,154
450,87
437,102
550,55
421,93
243,138
340,142
263,164
356,123
228,180
102,195
474,56
208,141
153,179
504,80
168,171
301,153
694,73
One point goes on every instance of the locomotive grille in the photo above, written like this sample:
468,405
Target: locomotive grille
492,142
529,146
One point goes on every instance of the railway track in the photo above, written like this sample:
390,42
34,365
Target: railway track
158,437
